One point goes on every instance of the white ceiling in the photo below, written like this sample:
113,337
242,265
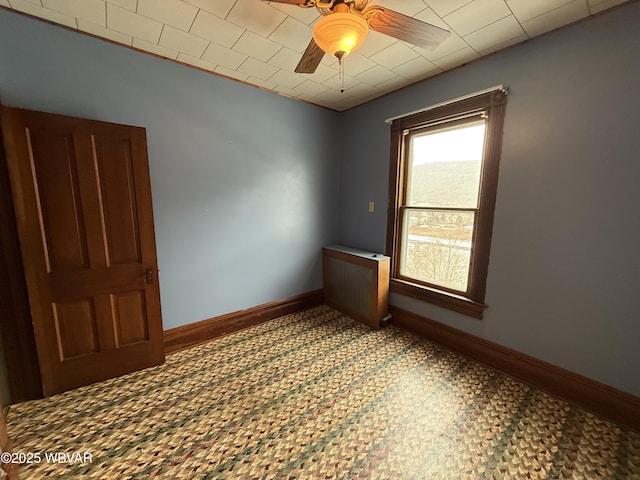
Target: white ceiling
260,43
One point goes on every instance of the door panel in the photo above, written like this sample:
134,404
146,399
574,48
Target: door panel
83,208
76,328
58,200
129,318
118,199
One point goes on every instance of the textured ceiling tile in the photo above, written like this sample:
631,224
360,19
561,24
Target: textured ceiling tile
407,7
284,91
102,32
356,63
180,41
508,43
268,38
286,79
223,56
310,87
128,4
497,33
221,8
429,16
260,82
228,72
256,16
286,59
93,11
425,75
306,97
335,84
44,13
526,9
292,33
361,89
321,75
154,48
445,7
375,42
455,59
330,61
597,6
339,104
256,68
171,12
333,93
376,75
393,84
394,55
127,22
453,43
256,46
476,15
215,29
196,62
305,15
416,68
348,103
568,13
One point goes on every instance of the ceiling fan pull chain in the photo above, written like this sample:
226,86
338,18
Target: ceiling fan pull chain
341,63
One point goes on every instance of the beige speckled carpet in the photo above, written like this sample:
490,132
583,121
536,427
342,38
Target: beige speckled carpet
317,395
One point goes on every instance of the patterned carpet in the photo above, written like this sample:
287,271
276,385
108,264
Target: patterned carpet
316,395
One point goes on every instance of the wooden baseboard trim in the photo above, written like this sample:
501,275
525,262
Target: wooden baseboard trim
196,333
606,401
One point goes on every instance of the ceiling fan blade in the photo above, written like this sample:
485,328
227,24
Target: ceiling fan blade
407,29
310,58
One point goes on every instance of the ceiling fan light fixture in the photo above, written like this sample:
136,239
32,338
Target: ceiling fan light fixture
339,34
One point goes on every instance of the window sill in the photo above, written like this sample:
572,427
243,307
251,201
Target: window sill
457,303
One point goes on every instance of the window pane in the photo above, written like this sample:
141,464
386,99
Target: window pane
437,247
444,168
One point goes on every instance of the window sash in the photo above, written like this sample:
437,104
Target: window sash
436,259
412,167
491,106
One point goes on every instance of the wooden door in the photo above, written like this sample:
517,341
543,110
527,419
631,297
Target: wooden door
83,207
16,329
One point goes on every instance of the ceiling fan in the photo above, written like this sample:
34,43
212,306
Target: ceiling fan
345,24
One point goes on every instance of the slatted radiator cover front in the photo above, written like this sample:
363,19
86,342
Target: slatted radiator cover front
356,282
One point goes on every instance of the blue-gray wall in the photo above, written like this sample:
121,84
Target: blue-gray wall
245,193
564,274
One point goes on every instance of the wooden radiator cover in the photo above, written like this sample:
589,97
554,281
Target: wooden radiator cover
356,283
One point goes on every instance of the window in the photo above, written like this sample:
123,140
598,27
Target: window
443,183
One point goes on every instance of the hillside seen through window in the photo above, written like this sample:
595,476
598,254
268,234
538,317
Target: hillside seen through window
443,181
